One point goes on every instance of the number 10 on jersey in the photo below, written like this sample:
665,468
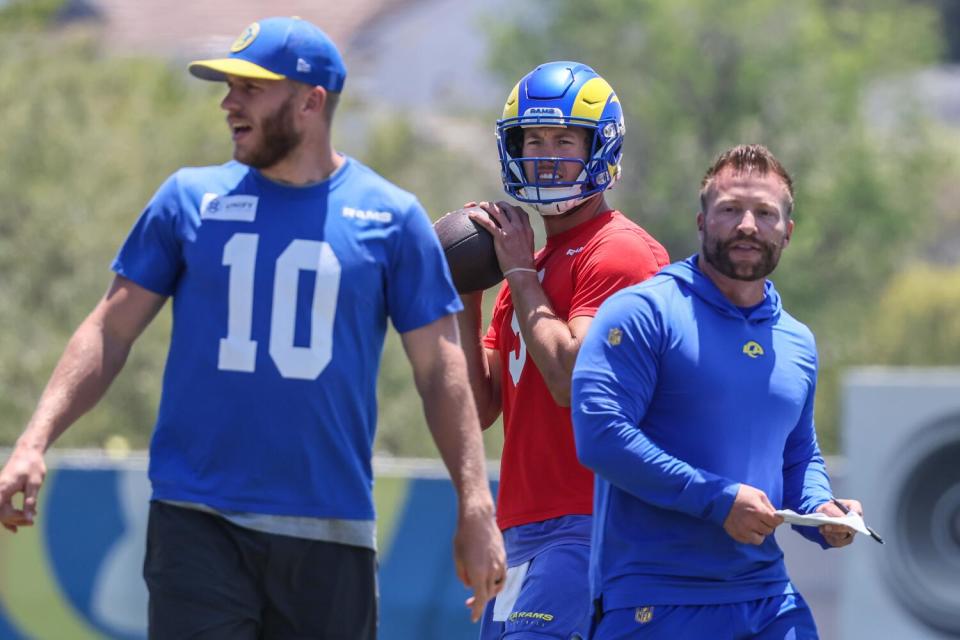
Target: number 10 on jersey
238,351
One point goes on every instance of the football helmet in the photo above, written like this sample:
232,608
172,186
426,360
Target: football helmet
561,94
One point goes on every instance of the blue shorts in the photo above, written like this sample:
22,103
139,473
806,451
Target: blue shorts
545,597
785,617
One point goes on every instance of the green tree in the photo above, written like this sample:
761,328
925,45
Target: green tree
698,76
916,321
86,141
950,26
16,15
445,161
444,174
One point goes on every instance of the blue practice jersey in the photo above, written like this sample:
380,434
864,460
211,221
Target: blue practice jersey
280,302
678,397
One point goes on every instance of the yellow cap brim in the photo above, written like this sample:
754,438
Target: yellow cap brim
218,70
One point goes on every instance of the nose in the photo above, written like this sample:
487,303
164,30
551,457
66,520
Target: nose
229,102
748,222
548,164
551,150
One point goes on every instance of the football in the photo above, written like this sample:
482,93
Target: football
469,251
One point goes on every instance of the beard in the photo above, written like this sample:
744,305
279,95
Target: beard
278,138
717,253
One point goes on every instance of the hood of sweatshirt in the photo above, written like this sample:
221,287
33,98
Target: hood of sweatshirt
691,279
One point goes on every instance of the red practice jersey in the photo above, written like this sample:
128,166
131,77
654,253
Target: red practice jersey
540,477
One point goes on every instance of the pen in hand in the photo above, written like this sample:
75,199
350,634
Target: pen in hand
843,507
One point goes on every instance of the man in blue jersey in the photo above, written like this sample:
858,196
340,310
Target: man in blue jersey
284,266
693,402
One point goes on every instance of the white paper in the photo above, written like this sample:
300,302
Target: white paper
852,520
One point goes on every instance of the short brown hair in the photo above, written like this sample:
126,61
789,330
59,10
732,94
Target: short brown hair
746,158
330,106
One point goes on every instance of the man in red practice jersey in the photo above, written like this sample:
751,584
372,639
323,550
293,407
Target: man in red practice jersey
560,142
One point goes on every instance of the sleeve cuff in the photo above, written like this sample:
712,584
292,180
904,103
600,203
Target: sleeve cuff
719,509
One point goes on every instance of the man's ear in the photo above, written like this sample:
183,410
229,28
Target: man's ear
316,100
789,234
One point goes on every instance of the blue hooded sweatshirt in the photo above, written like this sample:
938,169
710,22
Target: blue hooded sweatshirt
679,396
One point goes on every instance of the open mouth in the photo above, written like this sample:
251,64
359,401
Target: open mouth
548,175
239,130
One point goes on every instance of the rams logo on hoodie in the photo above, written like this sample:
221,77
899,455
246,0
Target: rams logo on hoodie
752,349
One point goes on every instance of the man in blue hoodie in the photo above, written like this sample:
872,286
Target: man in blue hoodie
693,403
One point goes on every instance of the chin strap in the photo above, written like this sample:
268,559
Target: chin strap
564,206
564,198
570,198
556,208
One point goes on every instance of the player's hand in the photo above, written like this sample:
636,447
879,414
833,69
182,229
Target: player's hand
23,474
752,517
838,535
479,557
512,234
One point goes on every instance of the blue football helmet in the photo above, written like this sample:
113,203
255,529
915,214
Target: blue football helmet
561,94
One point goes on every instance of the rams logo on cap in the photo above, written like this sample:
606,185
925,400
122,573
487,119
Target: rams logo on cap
246,38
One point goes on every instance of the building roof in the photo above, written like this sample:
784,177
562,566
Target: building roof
193,28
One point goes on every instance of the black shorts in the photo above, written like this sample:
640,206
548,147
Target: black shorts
210,579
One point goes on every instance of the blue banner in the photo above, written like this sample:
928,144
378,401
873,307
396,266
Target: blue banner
77,573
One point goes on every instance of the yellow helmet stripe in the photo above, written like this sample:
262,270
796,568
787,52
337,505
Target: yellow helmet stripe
512,108
592,99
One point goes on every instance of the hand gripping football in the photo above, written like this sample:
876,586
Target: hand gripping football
469,251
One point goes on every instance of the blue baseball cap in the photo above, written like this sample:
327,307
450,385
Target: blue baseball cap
278,48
